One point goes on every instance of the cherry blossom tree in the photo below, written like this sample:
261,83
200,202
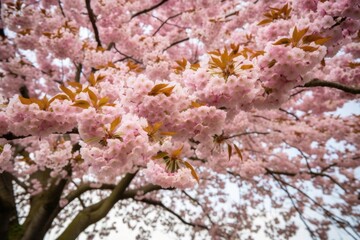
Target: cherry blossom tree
157,108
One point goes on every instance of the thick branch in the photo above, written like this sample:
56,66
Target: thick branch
268,171
43,209
95,212
84,188
92,18
321,83
10,136
149,9
8,214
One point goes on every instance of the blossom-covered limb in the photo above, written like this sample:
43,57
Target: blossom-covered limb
322,83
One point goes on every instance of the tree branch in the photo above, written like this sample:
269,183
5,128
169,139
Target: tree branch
148,9
10,136
175,43
290,113
343,223
126,56
92,18
321,83
165,22
245,133
97,211
61,8
311,232
78,72
160,204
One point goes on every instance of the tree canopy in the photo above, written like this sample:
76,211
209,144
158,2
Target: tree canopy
164,109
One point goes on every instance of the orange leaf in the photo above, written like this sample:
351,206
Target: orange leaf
25,101
265,21
75,85
281,41
195,104
115,123
60,97
322,41
309,48
193,172
155,90
246,66
195,66
156,126
229,150
93,97
167,91
176,153
100,78
81,103
92,79
103,101
159,155
68,92
271,63
168,133
238,152
297,35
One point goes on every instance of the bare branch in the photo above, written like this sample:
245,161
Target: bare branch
10,136
92,18
199,204
271,172
160,204
61,8
246,133
342,223
126,56
311,232
166,22
175,43
149,9
290,113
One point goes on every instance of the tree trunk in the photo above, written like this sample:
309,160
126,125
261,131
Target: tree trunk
8,216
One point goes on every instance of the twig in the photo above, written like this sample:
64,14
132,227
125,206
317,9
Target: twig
61,8
160,204
149,9
177,42
290,113
126,56
297,209
246,133
166,22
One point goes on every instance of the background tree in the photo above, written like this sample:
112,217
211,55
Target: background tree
163,106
